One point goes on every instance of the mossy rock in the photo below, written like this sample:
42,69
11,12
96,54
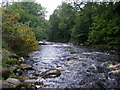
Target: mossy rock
51,73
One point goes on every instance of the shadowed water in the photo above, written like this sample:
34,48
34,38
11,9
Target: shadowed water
80,66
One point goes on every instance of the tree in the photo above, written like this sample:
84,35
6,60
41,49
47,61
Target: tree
62,21
106,25
83,23
32,14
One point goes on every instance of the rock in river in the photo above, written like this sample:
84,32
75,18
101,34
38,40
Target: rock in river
29,83
14,81
6,85
25,66
51,73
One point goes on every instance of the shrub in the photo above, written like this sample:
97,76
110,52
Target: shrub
18,36
9,61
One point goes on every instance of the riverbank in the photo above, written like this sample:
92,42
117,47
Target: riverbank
13,72
103,47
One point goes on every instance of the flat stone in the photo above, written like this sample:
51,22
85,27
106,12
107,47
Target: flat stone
25,66
31,83
14,81
23,77
5,85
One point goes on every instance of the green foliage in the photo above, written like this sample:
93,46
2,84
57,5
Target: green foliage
5,45
96,23
14,75
32,14
106,25
19,37
83,22
9,61
41,33
62,21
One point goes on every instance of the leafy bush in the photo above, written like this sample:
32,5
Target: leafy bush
18,36
14,75
9,61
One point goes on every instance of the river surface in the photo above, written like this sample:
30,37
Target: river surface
80,66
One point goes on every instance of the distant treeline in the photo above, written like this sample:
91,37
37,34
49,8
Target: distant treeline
94,23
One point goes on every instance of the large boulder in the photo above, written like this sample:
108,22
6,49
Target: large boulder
6,85
25,66
14,81
51,73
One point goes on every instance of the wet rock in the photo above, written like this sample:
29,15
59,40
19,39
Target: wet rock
6,85
14,81
115,71
25,66
32,83
5,72
51,73
114,65
23,77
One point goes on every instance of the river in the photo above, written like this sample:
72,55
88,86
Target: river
80,66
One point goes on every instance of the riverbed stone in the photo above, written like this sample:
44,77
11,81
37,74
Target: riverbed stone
51,73
14,81
6,85
25,66
115,71
32,82
23,77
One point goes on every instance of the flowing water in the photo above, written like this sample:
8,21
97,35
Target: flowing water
80,66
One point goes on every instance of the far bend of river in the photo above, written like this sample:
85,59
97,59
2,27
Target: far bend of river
80,66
